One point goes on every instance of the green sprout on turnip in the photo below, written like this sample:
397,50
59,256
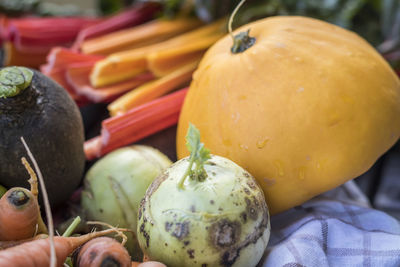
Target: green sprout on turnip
198,156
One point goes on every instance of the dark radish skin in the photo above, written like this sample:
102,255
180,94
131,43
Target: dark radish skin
34,106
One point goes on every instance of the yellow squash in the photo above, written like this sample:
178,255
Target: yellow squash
306,108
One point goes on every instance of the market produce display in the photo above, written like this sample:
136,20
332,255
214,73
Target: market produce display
260,106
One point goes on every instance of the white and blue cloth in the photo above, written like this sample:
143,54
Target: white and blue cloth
338,228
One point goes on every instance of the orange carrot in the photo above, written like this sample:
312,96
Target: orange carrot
19,212
103,251
152,90
9,244
145,34
37,253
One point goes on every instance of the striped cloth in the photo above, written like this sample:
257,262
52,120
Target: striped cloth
338,228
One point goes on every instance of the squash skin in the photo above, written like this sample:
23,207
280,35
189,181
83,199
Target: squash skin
308,107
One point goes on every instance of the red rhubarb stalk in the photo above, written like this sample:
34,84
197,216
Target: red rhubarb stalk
38,35
58,61
77,76
139,14
136,124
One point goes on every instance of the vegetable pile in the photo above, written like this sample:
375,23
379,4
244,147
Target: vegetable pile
290,106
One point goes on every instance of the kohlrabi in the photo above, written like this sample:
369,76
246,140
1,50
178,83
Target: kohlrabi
115,185
204,210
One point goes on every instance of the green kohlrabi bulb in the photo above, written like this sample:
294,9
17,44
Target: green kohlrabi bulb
115,185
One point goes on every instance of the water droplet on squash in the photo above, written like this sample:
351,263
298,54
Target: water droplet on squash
300,89
244,147
279,167
262,142
235,117
302,173
298,59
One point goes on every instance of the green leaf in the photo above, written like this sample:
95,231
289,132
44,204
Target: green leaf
198,152
198,156
192,139
13,80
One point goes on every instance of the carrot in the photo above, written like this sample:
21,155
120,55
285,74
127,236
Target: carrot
37,253
152,90
19,211
9,244
145,34
103,251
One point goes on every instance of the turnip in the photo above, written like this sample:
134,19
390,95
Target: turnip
115,185
204,210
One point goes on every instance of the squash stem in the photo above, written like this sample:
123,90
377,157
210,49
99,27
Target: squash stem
241,41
